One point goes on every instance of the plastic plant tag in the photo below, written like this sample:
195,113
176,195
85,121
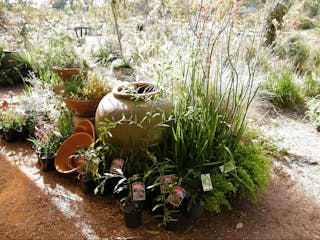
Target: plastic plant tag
206,182
228,167
176,196
138,191
116,166
166,183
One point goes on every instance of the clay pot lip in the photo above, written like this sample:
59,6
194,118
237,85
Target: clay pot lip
82,100
86,126
116,91
67,148
67,68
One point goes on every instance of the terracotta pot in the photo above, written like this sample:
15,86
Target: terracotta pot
86,126
137,106
68,148
83,108
67,74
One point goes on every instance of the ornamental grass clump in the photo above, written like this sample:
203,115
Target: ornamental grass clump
216,87
284,90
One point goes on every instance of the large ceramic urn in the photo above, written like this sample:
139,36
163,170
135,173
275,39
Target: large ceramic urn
133,113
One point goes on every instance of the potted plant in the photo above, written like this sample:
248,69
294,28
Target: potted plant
130,207
87,162
196,193
83,94
64,58
12,125
46,141
168,204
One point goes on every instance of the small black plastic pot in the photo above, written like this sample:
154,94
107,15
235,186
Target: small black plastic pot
24,134
196,211
132,216
45,163
11,135
121,194
149,203
87,184
177,224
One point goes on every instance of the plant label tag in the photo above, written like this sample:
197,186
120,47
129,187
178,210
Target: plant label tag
138,191
167,182
116,166
176,196
228,167
206,182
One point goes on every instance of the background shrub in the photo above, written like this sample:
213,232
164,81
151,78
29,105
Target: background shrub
284,90
296,50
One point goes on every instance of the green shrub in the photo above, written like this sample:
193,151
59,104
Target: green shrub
284,90
14,66
315,58
305,23
252,171
311,7
296,50
313,112
277,13
311,85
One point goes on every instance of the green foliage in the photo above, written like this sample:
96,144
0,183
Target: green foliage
253,168
315,59
106,54
305,23
11,120
296,50
311,7
218,198
313,112
276,14
88,86
285,92
59,4
253,171
120,63
91,159
57,50
47,138
311,85
65,125
73,87
14,66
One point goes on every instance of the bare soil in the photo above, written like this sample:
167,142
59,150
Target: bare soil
46,205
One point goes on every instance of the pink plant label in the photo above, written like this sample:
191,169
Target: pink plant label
138,191
166,183
176,196
116,166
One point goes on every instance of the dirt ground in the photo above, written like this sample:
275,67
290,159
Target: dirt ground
47,205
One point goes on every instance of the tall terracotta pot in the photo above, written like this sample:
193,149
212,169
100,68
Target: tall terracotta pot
136,114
